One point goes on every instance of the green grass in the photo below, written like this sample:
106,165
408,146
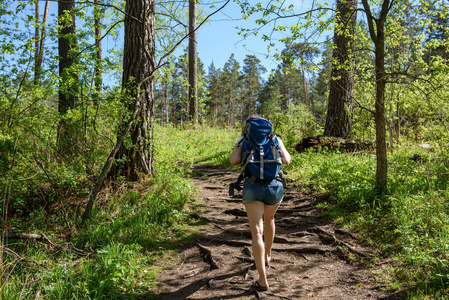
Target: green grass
205,145
409,223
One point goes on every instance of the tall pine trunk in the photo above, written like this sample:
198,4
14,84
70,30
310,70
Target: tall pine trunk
36,43
68,77
339,110
41,38
98,73
138,86
193,64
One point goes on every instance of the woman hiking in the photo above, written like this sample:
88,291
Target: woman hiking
261,199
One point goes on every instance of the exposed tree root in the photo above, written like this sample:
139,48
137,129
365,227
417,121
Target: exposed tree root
198,217
236,212
328,236
212,261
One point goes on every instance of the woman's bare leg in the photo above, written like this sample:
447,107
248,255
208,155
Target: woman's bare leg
255,211
269,229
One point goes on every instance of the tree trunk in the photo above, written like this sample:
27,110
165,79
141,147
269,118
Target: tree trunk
339,110
166,100
376,29
381,147
138,85
40,48
173,113
304,84
285,90
98,73
98,184
36,43
69,81
193,64
230,112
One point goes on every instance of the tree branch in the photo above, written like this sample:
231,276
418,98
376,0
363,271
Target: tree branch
99,4
370,19
107,165
159,65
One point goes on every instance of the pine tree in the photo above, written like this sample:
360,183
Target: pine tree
231,84
252,70
69,78
339,112
138,88
214,90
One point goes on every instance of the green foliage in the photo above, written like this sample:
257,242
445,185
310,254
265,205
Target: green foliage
35,171
146,219
110,274
6,152
295,124
127,232
409,223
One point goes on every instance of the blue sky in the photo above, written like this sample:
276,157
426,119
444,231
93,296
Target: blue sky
219,38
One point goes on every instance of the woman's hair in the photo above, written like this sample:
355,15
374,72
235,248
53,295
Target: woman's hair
253,116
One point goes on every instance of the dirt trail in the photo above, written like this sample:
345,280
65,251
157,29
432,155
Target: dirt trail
311,257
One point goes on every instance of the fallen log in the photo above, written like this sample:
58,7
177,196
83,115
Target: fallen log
320,142
21,236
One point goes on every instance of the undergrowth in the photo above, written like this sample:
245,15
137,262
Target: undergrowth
133,227
408,224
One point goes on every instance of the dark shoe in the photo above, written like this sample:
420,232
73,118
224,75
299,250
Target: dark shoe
259,287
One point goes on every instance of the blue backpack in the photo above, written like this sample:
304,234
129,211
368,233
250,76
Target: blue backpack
261,154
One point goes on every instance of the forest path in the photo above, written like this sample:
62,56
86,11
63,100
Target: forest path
312,257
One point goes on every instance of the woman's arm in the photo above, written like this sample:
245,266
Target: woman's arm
236,156
286,158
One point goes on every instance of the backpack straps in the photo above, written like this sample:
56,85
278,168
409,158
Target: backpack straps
236,185
261,155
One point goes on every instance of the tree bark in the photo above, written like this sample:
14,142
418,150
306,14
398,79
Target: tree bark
230,110
193,64
376,28
98,74
36,43
304,84
339,111
40,41
381,148
68,83
166,99
138,83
